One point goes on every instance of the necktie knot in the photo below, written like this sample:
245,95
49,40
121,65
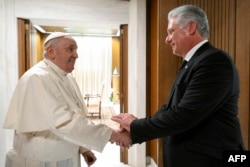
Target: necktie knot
182,66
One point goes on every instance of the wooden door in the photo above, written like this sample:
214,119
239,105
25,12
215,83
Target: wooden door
124,80
23,45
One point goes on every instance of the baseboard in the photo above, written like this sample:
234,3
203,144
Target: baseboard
151,162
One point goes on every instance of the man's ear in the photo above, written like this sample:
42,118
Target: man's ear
51,52
192,27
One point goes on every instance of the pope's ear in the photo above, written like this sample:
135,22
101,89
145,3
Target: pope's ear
51,52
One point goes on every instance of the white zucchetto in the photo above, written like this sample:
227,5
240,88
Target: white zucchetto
55,35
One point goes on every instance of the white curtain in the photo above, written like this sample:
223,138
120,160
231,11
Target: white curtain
93,68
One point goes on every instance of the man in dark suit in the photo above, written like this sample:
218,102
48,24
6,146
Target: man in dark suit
199,121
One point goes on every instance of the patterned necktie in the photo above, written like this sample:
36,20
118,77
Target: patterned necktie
181,68
174,85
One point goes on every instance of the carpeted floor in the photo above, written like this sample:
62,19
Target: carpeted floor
106,114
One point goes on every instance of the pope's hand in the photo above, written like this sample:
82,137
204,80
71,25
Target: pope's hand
121,137
89,157
124,120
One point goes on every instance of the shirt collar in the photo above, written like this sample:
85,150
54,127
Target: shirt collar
58,70
194,49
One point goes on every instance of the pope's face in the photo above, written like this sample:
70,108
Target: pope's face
65,53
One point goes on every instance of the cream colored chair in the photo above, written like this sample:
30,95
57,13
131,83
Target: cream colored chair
94,104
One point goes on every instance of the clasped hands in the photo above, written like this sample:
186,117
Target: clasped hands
122,136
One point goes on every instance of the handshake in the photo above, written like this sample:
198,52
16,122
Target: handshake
122,136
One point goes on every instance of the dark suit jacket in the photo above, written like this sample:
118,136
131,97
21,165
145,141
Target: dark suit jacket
200,117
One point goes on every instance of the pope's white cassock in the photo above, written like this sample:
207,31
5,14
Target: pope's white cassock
47,114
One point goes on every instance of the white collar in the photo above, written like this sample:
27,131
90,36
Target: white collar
191,52
58,70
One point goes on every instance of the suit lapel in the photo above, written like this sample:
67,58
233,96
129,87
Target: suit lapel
174,84
198,53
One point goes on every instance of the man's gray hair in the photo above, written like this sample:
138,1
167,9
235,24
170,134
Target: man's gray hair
51,42
186,13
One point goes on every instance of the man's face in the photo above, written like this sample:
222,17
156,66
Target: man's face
177,38
65,53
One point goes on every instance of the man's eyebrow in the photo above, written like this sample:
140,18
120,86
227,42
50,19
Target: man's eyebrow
170,30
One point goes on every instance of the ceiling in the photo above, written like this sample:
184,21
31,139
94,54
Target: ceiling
79,17
97,31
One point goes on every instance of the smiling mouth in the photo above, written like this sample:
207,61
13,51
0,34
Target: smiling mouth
173,46
72,61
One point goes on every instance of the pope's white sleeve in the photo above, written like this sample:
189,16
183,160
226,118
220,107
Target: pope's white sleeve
83,132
